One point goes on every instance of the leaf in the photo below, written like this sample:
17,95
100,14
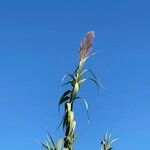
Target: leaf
76,70
106,144
66,93
48,145
82,81
91,72
70,75
44,146
86,105
96,83
64,97
73,77
69,82
63,78
51,141
91,55
82,73
114,140
93,75
59,144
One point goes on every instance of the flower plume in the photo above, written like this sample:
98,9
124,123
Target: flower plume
86,45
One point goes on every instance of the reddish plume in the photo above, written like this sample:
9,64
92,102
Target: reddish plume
86,45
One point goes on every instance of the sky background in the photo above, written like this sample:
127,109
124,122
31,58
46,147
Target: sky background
39,43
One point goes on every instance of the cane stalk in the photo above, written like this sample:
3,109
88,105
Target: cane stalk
76,79
71,95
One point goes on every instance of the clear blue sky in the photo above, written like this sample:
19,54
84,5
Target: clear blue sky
39,42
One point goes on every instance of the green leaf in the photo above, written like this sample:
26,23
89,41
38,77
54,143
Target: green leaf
69,82
91,55
73,77
91,72
76,70
93,75
94,78
59,144
86,105
82,73
63,78
49,144
106,143
114,140
82,81
51,141
64,97
45,146
96,83
70,75
66,93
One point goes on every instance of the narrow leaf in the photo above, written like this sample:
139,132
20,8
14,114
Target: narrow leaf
59,144
93,75
82,81
82,73
69,82
86,105
64,77
51,140
63,99
96,83
91,55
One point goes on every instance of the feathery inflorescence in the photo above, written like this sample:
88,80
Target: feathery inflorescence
86,45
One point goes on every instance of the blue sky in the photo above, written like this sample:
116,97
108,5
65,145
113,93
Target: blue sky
39,43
